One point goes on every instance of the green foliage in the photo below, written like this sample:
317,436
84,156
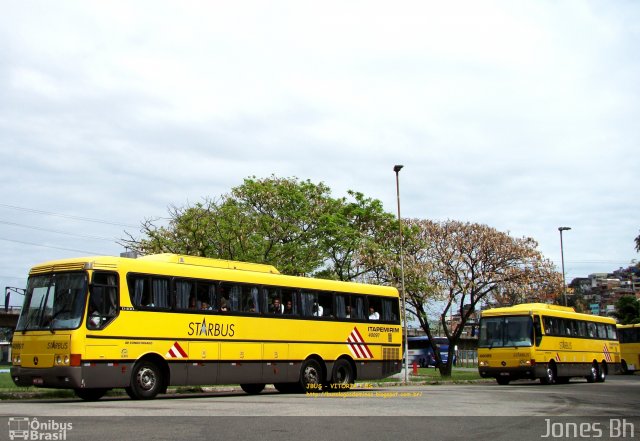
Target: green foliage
627,310
294,225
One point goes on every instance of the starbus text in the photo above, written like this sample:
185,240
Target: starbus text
211,329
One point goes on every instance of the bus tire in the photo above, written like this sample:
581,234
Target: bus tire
550,377
311,376
93,394
342,375
503,381
625,368
593,374
146,381
602,373
253,388
286,388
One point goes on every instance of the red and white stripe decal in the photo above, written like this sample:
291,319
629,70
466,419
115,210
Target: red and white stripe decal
357,346
557,357
606,353
176,351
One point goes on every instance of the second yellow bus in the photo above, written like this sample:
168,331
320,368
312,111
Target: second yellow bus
547,342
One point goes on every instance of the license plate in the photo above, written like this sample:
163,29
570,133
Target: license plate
38,381
504,374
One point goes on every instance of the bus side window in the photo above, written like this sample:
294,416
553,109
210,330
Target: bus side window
548,325
184,292
537,330
325,301
103,300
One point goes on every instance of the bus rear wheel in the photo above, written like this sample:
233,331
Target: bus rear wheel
311,376
93,394
341,376
253,388
146,381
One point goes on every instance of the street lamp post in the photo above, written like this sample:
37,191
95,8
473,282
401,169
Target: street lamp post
397,169
564,283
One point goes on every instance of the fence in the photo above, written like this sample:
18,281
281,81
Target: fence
467,358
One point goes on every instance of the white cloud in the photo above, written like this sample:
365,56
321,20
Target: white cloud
520,115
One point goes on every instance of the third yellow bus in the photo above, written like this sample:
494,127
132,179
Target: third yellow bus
629,337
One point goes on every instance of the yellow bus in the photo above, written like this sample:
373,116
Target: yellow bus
549,342
96,323
629,337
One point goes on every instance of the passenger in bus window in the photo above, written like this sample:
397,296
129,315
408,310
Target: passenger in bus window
373,315
276,306
250,307
317,310
224,305
93,322
205,306
348,311
288,307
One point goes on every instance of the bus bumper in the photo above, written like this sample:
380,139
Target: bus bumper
90,375
512,373
60,377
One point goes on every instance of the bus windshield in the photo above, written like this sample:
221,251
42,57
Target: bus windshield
53,301
629,335
496,332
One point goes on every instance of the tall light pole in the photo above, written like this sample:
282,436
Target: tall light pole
397,168
564,283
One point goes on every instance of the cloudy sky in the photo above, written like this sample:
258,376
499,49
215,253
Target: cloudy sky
520,115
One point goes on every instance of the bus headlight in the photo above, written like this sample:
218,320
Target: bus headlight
66,359
58,359
525,363
18,360
483,364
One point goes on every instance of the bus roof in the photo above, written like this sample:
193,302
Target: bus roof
206,268
211,263
634,325
544,308
425,338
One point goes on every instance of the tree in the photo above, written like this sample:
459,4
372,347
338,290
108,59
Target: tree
627,310
460,265
638,243
294,225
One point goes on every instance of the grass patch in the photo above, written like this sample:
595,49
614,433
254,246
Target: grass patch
431,375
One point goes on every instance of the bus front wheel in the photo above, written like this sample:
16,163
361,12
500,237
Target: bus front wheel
93,394
503,381
625,368
252,389
146,381
287,388
593,374
602,373
550,377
